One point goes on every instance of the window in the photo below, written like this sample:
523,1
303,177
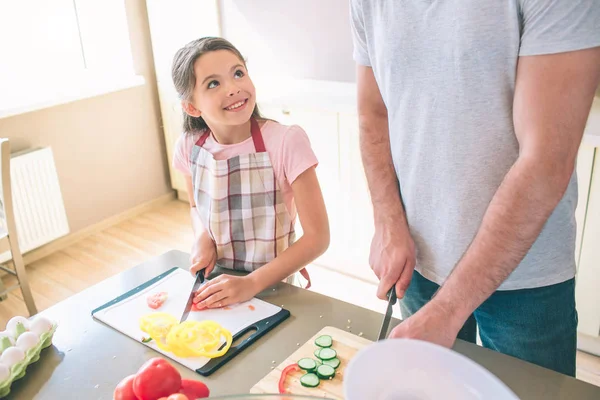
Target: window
50,46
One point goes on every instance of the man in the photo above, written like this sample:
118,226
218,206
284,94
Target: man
471,114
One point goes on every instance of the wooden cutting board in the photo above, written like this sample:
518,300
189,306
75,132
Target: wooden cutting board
344,343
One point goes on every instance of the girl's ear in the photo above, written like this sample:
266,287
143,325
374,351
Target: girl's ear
190,109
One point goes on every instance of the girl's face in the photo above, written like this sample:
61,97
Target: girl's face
224,93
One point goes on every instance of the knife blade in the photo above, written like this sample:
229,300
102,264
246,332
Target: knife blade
188,306
388,314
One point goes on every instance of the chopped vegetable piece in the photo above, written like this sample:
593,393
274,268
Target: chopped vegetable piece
156,300
307,364
146,339
310,380
325,371
327,354
324,341
287,370
334,362
317,352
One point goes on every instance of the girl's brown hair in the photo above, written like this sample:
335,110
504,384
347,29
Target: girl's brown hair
184,78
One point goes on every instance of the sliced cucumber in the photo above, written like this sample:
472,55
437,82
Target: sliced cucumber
317,351
325,371
324,341
307,364
310,380
334,362
327,354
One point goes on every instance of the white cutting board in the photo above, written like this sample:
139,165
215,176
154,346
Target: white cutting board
124,316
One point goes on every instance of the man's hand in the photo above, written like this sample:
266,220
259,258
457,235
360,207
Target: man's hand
392,259
432,323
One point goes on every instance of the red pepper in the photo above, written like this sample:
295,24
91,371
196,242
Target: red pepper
284,374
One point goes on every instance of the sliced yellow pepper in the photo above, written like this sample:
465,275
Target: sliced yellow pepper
188,339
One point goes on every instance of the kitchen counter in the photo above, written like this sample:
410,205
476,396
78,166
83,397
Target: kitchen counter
88,358
591,135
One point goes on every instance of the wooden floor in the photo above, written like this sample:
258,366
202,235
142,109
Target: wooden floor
167,227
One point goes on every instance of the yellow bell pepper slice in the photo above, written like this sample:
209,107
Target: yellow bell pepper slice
188,339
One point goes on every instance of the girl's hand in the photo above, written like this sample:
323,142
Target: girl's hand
225,290
204,255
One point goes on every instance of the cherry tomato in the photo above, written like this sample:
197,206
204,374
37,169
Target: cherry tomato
194,389
124,390
156,300
178,396
156,378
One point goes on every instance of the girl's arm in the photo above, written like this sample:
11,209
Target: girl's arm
203,254
228,289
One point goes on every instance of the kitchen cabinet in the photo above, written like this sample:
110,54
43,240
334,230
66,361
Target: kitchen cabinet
173,24
588,234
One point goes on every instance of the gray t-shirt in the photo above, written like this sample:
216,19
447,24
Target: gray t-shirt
446,71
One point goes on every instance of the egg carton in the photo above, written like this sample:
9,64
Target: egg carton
18,370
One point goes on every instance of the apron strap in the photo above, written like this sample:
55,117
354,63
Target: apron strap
259,143
202,139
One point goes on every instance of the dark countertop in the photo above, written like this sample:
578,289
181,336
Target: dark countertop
87,358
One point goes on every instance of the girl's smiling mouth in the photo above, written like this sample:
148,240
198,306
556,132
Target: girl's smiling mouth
237,106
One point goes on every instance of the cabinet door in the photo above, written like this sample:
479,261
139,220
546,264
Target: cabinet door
588,274
585,160
357,228
322,130
173,24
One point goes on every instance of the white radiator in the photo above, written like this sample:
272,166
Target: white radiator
39,209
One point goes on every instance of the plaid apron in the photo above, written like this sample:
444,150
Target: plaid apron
241,206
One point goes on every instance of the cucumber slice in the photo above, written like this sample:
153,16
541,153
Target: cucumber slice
327,354
334,362
325,371
310,380
324,341
307,364
317,351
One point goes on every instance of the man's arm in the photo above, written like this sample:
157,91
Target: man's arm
553,96
392,251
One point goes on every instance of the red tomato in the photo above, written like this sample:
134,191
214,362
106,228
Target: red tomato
156,378
194,389
156,300
124,390
196,308
178,396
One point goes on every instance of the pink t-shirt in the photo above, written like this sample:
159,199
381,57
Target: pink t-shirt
288,147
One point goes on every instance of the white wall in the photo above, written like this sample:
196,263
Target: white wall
303,39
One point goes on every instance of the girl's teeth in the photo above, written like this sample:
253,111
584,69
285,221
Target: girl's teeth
236,105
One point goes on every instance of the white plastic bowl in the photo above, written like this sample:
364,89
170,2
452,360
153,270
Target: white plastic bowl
403,369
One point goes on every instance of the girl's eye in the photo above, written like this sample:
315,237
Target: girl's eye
239,73
213,84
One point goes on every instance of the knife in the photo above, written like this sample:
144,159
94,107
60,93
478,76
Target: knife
197,283
388,314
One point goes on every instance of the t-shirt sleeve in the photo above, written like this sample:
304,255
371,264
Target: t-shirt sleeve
182,153
359,37
297,154
555,26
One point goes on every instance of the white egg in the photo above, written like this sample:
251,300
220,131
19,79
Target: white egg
12,356
14,322
40,325
4,373
27,340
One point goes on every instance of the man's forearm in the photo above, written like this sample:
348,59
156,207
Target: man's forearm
514,219
379,169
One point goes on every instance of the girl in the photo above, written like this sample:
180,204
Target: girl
246,177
